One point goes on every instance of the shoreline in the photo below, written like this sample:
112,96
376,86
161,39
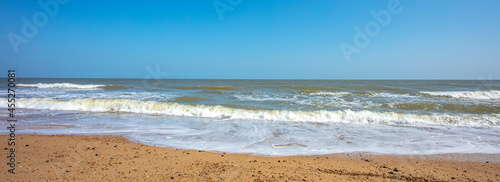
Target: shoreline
105,157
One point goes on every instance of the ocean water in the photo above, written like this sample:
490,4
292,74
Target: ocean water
269,117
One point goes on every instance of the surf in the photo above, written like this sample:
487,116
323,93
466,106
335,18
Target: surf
479,95
70,86
222,112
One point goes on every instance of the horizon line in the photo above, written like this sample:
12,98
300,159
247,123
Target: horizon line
415,79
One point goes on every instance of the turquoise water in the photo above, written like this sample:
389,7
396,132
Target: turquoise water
271,117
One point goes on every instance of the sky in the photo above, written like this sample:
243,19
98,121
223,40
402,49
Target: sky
258,39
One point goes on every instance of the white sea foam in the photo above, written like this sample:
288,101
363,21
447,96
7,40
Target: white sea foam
322,93
391,95
61,85
63,94
335,102
479,95
202,111
260,96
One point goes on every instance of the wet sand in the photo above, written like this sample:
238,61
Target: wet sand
114,158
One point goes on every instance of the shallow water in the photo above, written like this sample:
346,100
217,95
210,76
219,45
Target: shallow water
270,117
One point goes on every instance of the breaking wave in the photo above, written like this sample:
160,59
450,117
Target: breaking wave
479,95
323,93
203,111
69,86
261,97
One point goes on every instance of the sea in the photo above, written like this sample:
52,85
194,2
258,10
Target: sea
268,117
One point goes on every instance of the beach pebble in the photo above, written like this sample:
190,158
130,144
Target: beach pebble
396,169
68,170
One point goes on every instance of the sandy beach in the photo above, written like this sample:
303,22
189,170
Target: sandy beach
114,158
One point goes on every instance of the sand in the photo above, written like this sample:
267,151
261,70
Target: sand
114,158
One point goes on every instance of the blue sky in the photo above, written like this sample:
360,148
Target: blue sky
259,39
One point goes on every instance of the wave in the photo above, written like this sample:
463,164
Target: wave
345,87
323,93
260,96
70,86
309,87
479,95
370,87
416,106
388,95
203,111
207,88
